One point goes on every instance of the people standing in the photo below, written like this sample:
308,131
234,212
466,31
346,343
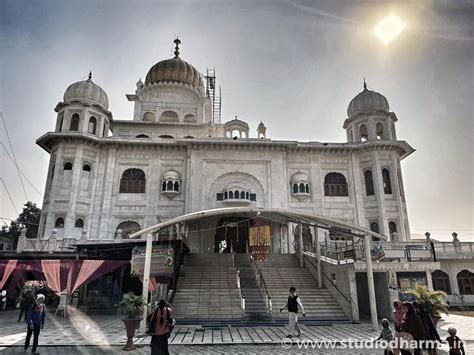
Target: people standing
386,335
412,325
3,299
159,328
26,299
292,304
431,333
35,316
456,346
398,314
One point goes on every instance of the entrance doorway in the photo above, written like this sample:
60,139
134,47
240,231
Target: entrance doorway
235,232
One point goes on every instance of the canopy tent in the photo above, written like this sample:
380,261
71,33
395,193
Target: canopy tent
277,215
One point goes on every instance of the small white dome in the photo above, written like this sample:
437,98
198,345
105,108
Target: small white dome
171,175
88,92
299,177
367,100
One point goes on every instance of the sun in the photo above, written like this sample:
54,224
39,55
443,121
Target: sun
389,28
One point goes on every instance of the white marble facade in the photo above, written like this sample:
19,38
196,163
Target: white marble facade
183,162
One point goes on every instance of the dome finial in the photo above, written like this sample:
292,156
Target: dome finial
365,85
90,75
177,42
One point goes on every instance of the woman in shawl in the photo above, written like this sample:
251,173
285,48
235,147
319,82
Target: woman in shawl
398,314
413,325
429,327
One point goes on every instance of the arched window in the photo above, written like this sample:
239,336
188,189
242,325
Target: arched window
79,223
59,223
335,184
236,194
225,195
364,136
86,167
169,116
392,227
166,136
176,186
231,195
242,195
189,118
441,281
61,123
142,136
148,117
369,182
127,228
466,282
374,227
302,188
132,181
307,188
387,186
295,188
163,186
74,126
247,196
169,185
68,166
379,130
92,125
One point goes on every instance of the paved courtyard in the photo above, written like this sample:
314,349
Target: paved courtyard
83,334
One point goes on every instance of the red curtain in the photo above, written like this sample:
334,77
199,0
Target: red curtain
152,286
88,268
52,273
9,267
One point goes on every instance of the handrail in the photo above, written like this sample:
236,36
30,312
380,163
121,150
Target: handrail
263,286
242,298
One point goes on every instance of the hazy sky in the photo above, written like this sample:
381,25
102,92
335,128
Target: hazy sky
295,65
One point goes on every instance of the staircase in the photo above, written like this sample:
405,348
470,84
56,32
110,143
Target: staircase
280,272
207,290
255,309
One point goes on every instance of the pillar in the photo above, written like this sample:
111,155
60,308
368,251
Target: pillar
318,259
301,247
146,278
353,296
291,238
370,284
429,280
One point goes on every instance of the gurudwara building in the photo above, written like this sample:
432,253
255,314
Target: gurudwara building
110,178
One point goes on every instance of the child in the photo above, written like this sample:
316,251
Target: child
386,335
455,344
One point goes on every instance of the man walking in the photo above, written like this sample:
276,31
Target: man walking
35,315
26,299
293,303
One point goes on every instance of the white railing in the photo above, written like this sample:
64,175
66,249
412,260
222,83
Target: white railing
242,298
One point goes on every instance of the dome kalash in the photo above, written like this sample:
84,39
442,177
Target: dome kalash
87,92
367,100
175,70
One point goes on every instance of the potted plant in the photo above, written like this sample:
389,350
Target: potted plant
434,302
131,307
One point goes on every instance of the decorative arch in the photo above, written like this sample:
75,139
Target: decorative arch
127,228
86,167
465,280
92,127
166,136
380,130
364,135
374,227
369,183
149,117
142,136
133,181
189,118
68,166
169,116
75,119
335,184
79,223
387,185
59,222
441,281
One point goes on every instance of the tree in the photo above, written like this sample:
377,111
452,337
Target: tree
29,219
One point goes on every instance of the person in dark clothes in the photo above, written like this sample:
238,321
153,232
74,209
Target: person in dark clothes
159,328
412,324
430,329
293,303
456,346
26,299
35,315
